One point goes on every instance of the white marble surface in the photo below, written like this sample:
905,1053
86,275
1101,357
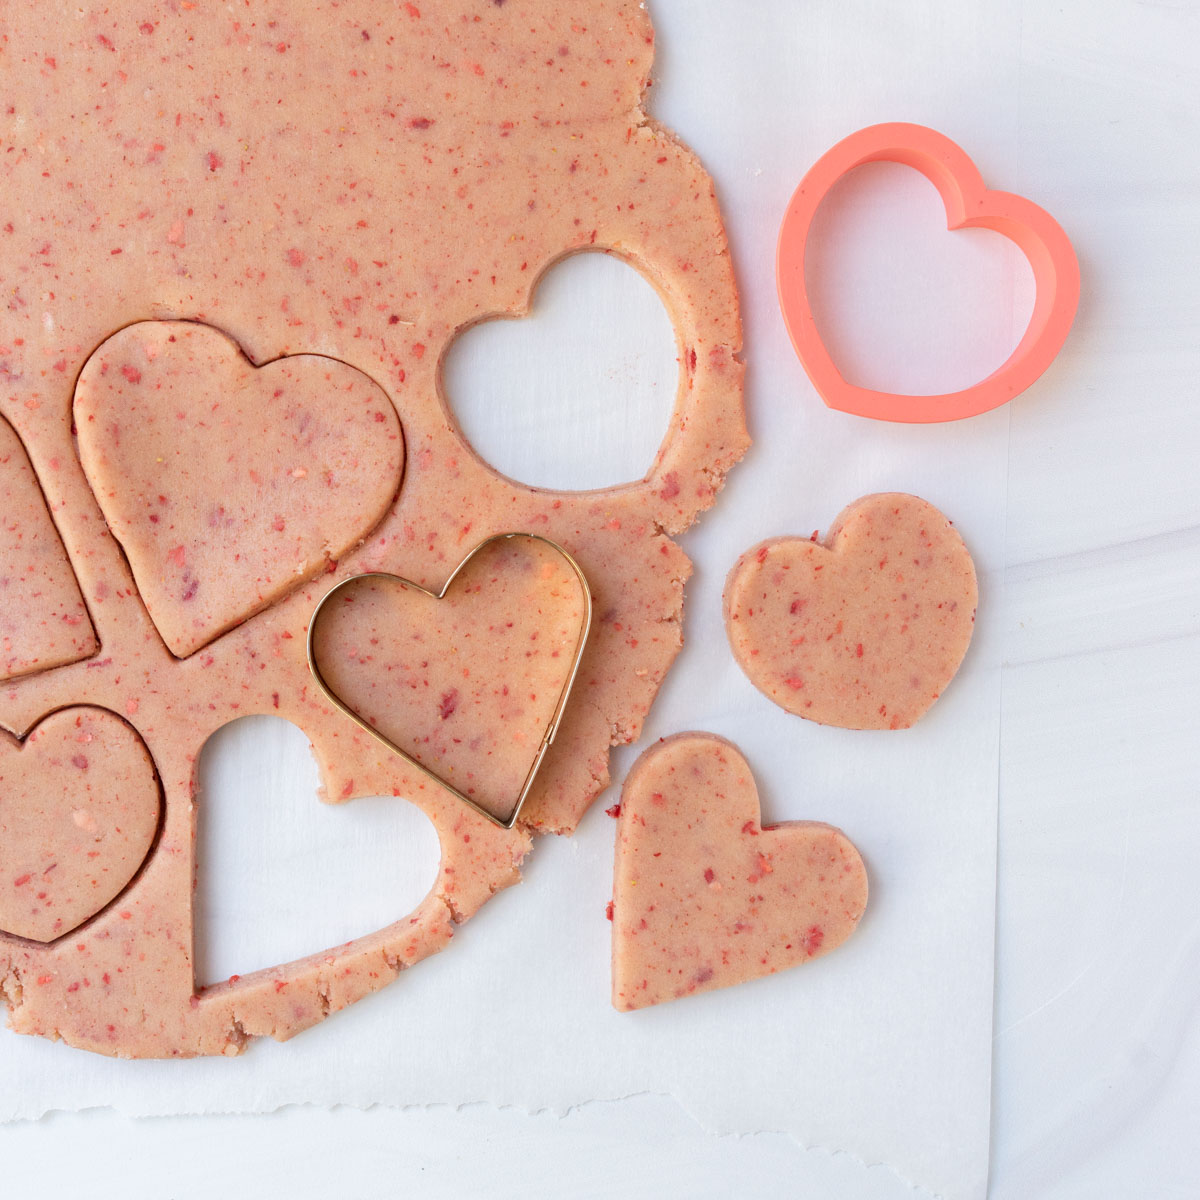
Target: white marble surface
1090,108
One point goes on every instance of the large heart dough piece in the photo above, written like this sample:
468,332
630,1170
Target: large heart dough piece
227,484
79,807
864,630
703,895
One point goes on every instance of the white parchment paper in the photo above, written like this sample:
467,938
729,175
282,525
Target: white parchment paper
883,1049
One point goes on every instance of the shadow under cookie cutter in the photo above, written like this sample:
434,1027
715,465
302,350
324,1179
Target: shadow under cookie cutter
559,709
969,204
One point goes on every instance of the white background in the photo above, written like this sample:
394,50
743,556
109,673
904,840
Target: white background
1094,632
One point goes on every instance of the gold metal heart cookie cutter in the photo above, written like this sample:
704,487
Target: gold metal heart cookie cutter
440,594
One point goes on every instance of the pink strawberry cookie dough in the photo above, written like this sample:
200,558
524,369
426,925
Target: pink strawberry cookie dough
864,630
43,621
79,807
703,895
314,199
466,684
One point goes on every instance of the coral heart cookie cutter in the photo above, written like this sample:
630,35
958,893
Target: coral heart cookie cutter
969,205
564,694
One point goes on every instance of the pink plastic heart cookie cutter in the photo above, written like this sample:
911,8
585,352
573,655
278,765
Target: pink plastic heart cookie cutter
969,205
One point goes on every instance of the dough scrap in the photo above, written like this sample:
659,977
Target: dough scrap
360,180
43,620
704,896
864,630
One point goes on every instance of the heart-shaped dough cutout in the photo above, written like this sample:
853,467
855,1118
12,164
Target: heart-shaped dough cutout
227,484
864,630
43,621
79,808
705,897
468,683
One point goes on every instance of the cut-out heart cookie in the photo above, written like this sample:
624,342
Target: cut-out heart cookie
703,895
229,484
864,630
79,806
469,682
43,621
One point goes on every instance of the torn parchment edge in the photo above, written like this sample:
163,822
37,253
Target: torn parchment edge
561,1113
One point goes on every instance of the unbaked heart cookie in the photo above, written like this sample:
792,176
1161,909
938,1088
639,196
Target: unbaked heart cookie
468,682
863,630
705,897
79,806
229,484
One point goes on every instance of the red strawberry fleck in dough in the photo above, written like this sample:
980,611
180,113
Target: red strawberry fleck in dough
703,896
864,630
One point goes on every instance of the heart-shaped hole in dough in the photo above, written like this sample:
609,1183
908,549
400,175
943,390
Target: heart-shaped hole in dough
281,875
579,393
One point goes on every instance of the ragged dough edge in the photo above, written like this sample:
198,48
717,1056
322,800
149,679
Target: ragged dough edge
646,125
331,994
462,916
625,728
715,472
241,1025
11,991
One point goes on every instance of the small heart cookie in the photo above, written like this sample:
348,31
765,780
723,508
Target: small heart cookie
705,897
227,484
864,630
79,805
